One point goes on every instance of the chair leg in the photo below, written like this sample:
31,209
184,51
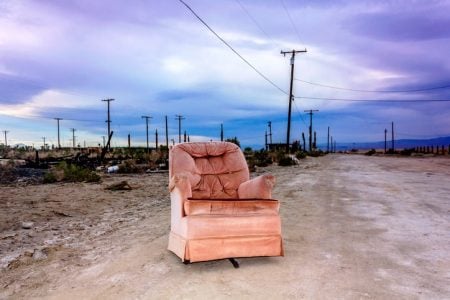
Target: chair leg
234,263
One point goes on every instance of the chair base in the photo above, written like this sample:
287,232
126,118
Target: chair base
233,261
206,249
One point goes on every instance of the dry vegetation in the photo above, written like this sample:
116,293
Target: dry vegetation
354,227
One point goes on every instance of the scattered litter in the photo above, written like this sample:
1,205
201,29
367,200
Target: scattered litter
27,225
113,169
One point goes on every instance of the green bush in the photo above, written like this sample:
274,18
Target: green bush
129,166
286,161
300,155
262,158
74,173
49,177
316,153
370,152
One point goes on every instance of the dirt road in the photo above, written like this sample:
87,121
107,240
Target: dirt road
354,227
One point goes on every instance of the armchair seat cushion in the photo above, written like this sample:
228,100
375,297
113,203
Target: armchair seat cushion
194,207
215,226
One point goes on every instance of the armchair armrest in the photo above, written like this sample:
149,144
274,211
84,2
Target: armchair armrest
182,183
180,190
257,188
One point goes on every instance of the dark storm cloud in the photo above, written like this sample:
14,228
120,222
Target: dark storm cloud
16,90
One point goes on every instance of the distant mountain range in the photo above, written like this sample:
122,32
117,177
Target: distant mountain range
399,144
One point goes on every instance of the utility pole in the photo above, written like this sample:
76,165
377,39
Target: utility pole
146,122
393,147
109,119
57,121
221,132
310,113
103,141
385,140
156,138
185,136
189,138
331,144
328,139
73,137
265,140
304,142
6,139
293,52
43,138
270,131
167,135
129,141
315,140
179,118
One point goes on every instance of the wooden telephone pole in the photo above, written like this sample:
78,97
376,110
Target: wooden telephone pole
57,122
393,146
167,135
293,52
73,136
109,119
385,140
146,123
270,131
310,113
328,139
6,139
179,118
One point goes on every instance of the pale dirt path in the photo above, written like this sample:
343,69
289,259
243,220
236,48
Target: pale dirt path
354,227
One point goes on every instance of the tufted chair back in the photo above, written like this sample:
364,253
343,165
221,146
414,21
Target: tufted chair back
215,169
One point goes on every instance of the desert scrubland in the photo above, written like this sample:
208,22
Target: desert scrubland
354,227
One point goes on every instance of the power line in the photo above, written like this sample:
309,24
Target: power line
374,100
291,21
254,20
374,91
299,113
231,48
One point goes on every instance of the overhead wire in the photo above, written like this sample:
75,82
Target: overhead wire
373,100
374,91
231,48
291,21
254,20
299,113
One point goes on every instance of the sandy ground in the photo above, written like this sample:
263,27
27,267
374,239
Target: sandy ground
354,227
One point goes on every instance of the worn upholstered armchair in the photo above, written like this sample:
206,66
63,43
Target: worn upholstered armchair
216,211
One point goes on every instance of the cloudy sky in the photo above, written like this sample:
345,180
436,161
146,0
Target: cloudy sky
60,58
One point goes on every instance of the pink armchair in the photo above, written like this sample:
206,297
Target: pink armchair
216,211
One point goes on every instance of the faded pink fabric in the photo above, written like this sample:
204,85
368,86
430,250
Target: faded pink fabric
215,170
193,207
216,211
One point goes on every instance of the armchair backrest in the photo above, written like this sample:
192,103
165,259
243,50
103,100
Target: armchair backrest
215,169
